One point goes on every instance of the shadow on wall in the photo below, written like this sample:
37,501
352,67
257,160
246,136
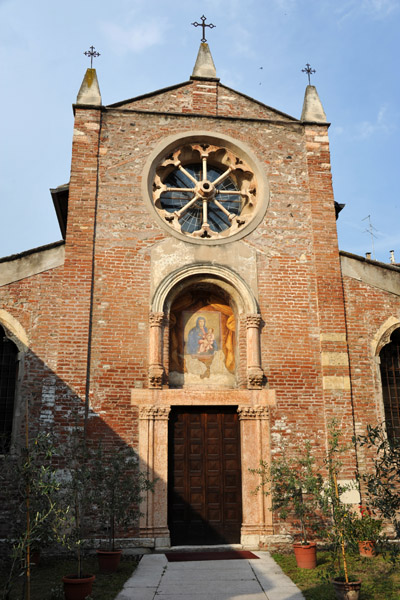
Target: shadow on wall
38,399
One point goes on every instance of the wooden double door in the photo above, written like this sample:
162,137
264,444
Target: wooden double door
204,476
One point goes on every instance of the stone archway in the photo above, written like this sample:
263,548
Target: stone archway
389,359
382,336
11,402
242,298
379,343
251,401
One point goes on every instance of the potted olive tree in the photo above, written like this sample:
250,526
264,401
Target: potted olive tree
382,484
37,517
295,485
117,485
77,487
340,532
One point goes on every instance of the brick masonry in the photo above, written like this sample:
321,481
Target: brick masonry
87,321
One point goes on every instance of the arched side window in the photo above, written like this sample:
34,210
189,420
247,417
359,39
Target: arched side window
390,376
8,380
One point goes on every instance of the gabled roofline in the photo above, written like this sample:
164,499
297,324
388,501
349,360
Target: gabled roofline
279,112
149,94
185,83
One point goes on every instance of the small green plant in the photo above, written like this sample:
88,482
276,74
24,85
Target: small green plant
117,486
295,485
57,593
366,527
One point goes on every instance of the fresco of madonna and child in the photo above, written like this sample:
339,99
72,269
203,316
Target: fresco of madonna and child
202,346
201,340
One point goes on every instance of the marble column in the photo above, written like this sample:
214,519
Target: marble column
153,457
255,445
156,367
255,373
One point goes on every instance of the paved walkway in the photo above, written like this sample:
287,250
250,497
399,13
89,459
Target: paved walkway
157,579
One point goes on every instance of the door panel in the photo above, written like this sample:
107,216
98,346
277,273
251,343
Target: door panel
204,481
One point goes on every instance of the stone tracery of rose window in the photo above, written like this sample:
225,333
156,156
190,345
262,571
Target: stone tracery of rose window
204,191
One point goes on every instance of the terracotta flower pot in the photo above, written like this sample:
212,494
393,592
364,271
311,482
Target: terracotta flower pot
76,588
108,560
346,591
306,555
367,548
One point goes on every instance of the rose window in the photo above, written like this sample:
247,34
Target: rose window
204,191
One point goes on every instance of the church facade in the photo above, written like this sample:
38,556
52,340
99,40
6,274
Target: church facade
198,308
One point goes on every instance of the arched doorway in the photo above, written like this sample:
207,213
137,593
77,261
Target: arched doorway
218,394
204,467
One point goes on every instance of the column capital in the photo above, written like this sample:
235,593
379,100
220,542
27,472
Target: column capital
156,319
151,413
156,376
253,321
255,378
253,412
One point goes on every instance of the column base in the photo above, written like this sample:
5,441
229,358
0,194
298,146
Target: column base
162,542
253,535
160,536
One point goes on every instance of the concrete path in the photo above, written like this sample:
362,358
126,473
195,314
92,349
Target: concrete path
157,579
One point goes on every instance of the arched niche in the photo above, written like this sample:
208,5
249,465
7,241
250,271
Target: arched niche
204,282
202,339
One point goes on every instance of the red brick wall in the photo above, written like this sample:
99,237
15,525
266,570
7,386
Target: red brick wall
35,302
299,281
367,310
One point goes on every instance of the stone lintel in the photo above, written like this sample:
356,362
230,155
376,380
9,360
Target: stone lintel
194,397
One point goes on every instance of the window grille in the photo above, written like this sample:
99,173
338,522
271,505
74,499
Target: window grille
390,375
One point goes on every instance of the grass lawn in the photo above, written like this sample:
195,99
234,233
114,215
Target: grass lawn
47,577
379,581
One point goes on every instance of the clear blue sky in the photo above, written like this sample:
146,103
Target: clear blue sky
259,48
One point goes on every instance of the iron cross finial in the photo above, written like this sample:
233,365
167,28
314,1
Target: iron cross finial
203,25
309,72
93,54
